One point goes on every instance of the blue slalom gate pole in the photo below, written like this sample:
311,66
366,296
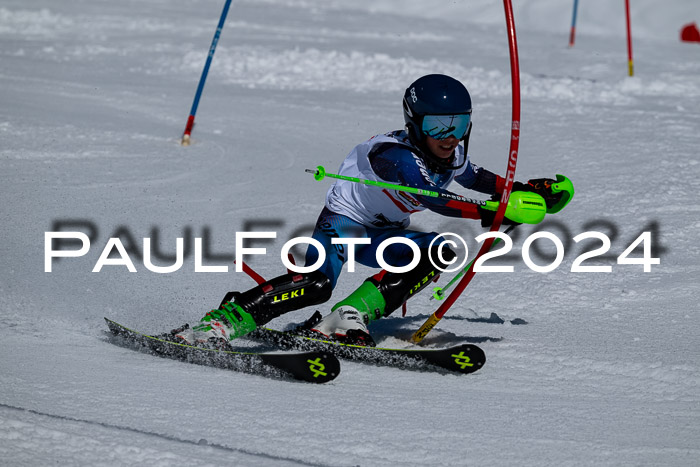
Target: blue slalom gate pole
203,78
573,25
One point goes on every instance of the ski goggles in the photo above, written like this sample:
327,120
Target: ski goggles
444,126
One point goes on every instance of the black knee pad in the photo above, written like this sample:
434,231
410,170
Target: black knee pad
283,294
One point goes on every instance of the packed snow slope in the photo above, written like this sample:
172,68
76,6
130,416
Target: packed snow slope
94,98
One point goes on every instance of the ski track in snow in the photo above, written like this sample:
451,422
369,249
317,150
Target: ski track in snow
95,94
81,441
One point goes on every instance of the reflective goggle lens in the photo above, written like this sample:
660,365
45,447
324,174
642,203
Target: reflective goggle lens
444,126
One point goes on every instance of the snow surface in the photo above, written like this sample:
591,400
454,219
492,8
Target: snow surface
94,98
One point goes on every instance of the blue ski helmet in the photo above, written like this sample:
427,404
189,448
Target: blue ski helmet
435,96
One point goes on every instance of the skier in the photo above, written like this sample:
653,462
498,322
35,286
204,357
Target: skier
426,154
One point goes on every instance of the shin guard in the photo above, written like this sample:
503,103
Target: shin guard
283,294
397,288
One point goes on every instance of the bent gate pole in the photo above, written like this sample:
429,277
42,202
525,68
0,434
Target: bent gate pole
510,177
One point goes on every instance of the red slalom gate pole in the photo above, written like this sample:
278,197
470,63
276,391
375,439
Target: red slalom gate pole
510,177
630,62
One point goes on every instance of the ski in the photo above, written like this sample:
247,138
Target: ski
314,366
465,358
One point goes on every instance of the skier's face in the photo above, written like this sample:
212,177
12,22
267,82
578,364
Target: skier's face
442,148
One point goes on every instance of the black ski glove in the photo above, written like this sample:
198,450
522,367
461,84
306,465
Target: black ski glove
541,186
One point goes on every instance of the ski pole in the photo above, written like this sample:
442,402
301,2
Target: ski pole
320,173
203,78
439,292
522,207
